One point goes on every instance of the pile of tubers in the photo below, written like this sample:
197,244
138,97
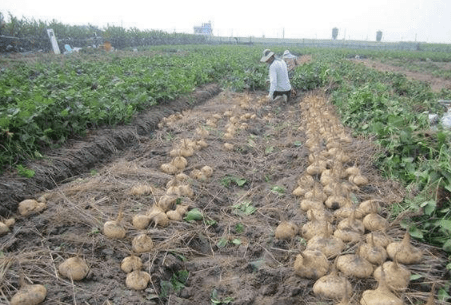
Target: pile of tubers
337,221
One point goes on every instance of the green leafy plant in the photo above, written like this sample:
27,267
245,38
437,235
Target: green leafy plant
25,172
222,242
239,228
216,300
244,208
193,215
175,284
228,180
278,190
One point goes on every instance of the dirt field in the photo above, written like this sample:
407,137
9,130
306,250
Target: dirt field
230,254
437,83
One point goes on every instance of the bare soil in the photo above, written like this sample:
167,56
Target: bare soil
232,255
437,83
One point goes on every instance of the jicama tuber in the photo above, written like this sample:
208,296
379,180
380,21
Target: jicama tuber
158,217
320,214
372,252
29,294
316,227
140,221
28,207
166,202
207,171
137,280
141,189
308,204
179,162
397,277
316,194
74,268
369,206
311,264
178,213
228,146
380,238
375,222
346,211
333,286
5,225
114,228
347,235
351,223
142,243
198,175
381,295
174,215
286,230
354,265
404,251
328,244
169,168
131,263
299,191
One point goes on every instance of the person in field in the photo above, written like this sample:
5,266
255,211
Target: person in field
278,77
290,59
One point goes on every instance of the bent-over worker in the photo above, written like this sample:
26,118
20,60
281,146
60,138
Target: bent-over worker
278,76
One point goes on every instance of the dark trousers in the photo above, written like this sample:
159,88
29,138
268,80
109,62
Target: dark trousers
280,93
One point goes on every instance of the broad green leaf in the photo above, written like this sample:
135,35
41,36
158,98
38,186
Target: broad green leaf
239,228
415,232
222,242
414,277
241,181
236,241
269,149
444,224
429,206
278,190
447,246
193,215
443,295
257,264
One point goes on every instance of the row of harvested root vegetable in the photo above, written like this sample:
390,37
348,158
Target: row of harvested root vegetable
160,214
177,188
337,221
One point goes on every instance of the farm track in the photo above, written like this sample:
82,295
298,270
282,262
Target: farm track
232,254
437,83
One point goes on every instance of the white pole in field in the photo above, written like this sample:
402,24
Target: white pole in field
52,38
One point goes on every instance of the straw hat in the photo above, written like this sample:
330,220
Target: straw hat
267,53
287,54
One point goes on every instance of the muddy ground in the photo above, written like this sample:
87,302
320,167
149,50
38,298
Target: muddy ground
231,255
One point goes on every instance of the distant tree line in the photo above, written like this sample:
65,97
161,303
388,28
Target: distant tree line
25,34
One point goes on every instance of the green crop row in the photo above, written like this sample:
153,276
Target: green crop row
44,104
393,110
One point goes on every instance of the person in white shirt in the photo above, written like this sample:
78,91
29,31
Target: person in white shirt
291,60
278,76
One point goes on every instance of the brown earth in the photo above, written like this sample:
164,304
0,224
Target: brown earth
437,83
231,256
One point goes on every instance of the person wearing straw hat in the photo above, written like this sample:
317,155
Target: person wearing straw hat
278,76
290,59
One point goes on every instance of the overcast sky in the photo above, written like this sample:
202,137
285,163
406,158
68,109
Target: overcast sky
399,20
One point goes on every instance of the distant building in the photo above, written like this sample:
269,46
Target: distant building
205,29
